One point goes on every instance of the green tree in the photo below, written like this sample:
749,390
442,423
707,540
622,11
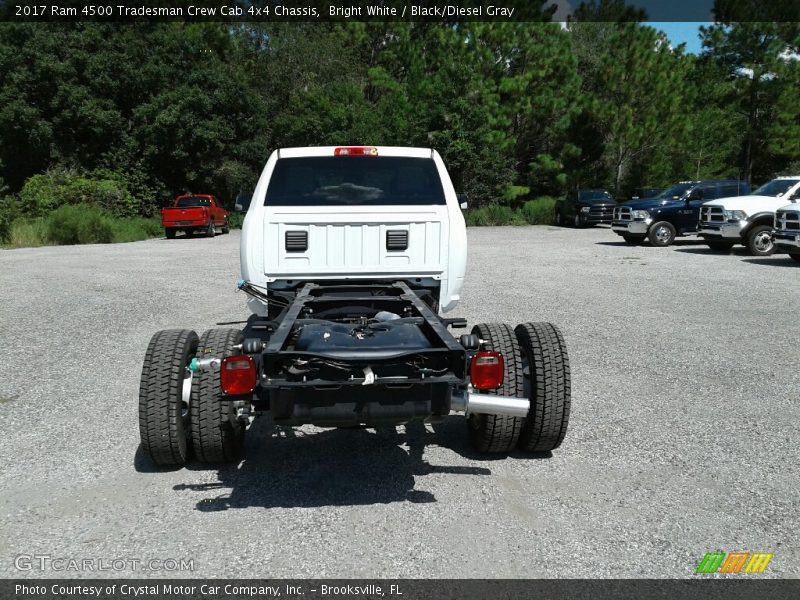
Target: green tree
635,86
752,57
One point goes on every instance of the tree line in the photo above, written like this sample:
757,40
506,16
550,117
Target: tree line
518,110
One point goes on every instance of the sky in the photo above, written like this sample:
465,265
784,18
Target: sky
683,32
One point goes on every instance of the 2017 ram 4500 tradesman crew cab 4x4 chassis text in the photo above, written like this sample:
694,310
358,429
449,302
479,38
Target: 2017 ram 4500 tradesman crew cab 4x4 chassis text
348,255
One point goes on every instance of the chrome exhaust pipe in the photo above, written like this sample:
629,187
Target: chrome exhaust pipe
489,404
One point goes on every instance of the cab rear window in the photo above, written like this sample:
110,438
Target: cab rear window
192,202
354,181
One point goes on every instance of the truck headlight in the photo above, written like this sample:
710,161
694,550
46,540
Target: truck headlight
640,215
584,209
735,215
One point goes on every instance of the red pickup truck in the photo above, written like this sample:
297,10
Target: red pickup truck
194,212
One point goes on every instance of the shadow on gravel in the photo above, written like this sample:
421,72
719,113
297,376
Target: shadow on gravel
286,467
775,261
676,244
709,252
142,464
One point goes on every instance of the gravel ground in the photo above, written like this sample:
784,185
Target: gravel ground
683,436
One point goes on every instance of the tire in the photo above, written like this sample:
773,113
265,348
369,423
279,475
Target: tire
217,435
226,228
661,234
499,433
577,222
549,387
720,246
633,240
559,219
163,415
759,241
170,233
795,257
211,230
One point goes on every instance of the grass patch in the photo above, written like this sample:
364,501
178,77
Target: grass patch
28,233
135,229
81,224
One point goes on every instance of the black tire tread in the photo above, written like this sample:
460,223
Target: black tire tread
499,433
551,386
161,428
217,436
795,256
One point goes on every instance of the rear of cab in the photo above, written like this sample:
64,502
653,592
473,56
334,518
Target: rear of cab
355,213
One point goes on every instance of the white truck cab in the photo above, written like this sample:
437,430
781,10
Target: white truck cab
748,220
355,214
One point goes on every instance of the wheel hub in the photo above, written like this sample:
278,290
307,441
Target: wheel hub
763,242
186,392
662,234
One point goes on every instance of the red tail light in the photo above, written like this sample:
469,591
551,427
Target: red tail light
356,151
486,370
237,375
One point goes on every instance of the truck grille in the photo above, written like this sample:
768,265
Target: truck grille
787,220
711,214
622,213
601,211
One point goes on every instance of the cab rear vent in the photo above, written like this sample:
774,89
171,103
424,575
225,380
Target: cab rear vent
296,241
397,239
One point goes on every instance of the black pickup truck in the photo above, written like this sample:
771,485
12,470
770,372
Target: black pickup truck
584,207
674,212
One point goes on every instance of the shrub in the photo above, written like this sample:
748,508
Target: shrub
45,193
493,214
235,220
540,211
79,224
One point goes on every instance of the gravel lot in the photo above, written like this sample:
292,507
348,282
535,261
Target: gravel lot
683,437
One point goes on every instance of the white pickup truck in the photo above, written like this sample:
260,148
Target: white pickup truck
747,220
348,256
787,230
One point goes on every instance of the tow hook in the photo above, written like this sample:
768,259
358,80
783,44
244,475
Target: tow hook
205,364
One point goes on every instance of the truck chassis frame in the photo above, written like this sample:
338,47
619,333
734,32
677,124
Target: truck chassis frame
345,353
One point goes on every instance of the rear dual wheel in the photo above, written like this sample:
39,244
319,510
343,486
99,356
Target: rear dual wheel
536,367
217,433
181,411
499,433
164,396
